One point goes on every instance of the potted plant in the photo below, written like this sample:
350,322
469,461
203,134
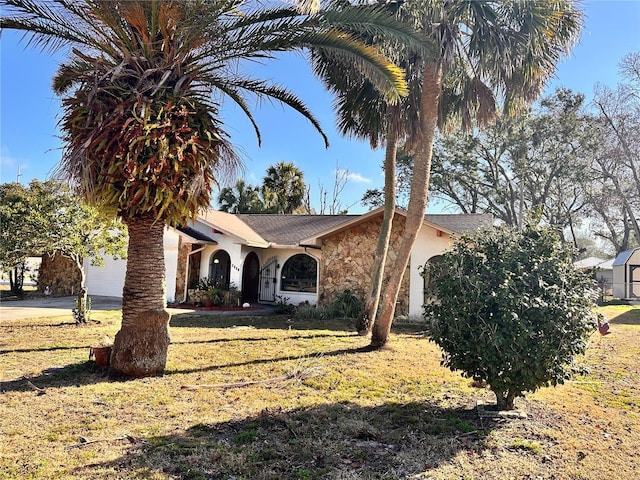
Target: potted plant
102,352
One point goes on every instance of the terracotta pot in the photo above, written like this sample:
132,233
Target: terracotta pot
102,355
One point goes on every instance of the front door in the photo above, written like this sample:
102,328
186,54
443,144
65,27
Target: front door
634,283
250,278
268,280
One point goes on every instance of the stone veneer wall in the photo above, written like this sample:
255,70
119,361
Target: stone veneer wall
60,274
181,272
347,262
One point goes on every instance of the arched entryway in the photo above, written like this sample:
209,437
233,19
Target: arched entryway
250,278
220,268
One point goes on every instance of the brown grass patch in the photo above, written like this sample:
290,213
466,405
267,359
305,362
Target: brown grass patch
394,414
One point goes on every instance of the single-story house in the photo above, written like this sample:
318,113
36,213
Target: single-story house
602,270
296,258
626,274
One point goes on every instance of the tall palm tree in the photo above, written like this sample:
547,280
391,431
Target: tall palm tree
283,188
486,51
141,91
365,112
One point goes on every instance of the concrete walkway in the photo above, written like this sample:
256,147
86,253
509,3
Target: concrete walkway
58,306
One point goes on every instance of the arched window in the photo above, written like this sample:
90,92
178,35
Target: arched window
220,268
299,274
427,275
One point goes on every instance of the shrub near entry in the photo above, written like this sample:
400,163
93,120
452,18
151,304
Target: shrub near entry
508,307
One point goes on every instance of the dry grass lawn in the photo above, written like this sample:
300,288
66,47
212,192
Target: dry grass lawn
341,414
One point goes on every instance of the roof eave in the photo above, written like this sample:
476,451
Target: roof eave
189,239
256,244
317,239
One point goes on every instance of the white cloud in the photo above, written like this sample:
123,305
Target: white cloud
352,176
6,160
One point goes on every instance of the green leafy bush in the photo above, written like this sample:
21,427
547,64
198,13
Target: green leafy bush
508,307
347,304
283,307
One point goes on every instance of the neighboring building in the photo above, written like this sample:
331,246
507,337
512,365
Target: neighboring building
602,270
626,274
298,257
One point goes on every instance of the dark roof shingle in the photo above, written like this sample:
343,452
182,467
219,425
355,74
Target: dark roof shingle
461,223
291,229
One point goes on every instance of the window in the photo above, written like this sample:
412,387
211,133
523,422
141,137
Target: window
299,274
428,275
220,268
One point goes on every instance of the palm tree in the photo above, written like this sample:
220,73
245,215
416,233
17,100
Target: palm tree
283,188
242,198
140,121
365,112
486,51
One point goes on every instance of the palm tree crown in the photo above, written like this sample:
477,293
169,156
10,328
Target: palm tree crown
488,52
283,188
144,81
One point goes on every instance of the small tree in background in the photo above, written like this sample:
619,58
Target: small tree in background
508,307
46,217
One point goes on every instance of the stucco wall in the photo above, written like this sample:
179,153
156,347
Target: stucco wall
428,244
234,250
348,258
171,252
294,297
108,280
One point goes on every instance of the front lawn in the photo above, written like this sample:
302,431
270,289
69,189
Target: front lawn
285,398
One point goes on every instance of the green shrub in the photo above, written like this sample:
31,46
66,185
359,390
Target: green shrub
308,310
283,307
347,305
508,307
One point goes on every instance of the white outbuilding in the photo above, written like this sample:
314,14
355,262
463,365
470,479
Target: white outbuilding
626,274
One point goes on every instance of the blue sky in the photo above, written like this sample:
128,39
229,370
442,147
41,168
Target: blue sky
29,110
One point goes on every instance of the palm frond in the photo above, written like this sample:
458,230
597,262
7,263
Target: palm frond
140,122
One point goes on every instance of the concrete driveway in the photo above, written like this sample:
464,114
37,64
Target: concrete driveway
57,306
51,306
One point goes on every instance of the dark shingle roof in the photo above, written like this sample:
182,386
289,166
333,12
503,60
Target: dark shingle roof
291,229
461,223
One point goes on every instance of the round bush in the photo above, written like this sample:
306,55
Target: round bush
507,307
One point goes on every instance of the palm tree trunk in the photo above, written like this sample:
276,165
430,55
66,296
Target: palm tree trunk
368,316
431,89
140,347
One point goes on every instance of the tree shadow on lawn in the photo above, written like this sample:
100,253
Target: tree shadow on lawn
88,373
326,441
630,317
72,375
262,339
263,361
278,322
